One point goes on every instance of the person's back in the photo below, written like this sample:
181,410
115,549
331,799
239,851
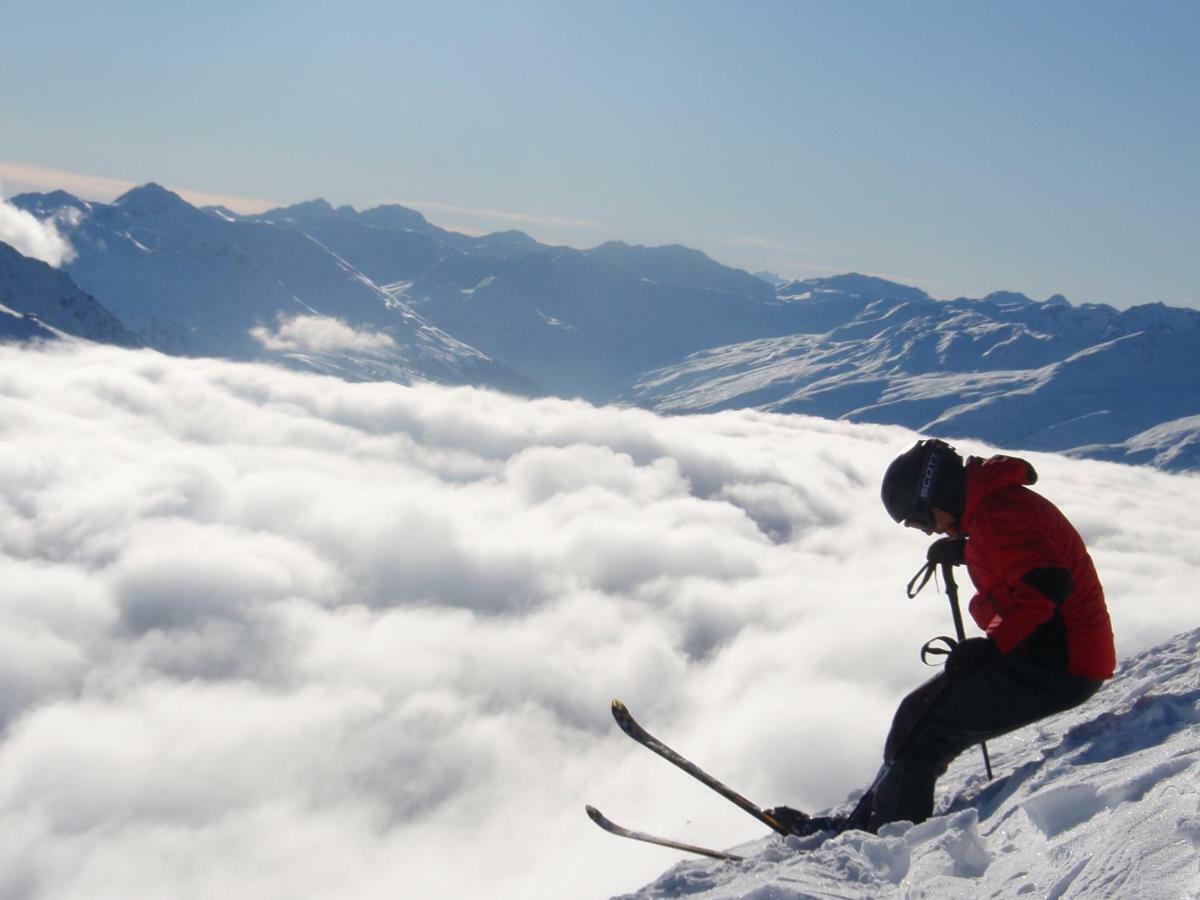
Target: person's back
1011,532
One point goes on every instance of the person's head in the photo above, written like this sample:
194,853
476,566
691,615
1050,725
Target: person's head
925,488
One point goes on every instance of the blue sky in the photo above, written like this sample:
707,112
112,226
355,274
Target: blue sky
962,147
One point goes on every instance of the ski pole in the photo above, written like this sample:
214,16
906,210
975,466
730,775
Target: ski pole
952,593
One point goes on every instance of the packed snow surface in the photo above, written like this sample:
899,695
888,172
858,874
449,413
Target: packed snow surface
1101,802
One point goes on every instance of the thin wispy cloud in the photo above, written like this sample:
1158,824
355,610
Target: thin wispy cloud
275,634
500,215
759,243
32,177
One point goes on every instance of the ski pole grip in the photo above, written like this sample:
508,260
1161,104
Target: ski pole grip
952,593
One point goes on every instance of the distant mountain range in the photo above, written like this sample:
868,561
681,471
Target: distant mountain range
384,294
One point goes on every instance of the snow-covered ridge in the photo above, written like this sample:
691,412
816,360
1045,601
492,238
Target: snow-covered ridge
1088,380
1101,802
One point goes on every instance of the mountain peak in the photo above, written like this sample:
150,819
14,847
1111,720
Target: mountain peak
44,205
769,277
677,264
511,236
308,209
855,284
151,199
60,198
1008,299
614,249
393,215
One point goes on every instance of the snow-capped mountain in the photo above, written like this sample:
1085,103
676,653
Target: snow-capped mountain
384,294
586,325
201,282
1017,373
674,264
39,301
578,322
575,322
388,244
1099,802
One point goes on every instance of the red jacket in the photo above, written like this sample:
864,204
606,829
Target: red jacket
1012,531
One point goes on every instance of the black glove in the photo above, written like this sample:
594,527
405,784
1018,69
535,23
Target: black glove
793,820
802,824
970,655
950,550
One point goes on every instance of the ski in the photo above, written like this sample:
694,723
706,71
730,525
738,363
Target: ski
613,828
630,726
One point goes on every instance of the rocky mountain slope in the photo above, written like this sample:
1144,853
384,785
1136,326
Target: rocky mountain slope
37,300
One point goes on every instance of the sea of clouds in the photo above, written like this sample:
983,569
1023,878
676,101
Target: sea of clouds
266,634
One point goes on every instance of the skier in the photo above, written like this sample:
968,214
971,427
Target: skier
1048,644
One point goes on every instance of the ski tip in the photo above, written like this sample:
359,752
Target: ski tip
623,717
598,817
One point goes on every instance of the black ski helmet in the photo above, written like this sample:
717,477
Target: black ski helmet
928,475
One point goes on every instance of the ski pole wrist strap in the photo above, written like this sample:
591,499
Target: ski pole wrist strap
923,575
942,645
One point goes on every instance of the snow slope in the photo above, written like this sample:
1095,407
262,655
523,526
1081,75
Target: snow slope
1101,802
16,326
1172,445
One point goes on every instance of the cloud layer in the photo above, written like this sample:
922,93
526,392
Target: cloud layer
272,635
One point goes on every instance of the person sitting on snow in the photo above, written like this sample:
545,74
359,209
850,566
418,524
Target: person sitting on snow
1048,644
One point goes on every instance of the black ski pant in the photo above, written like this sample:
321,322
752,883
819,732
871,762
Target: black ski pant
951,713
